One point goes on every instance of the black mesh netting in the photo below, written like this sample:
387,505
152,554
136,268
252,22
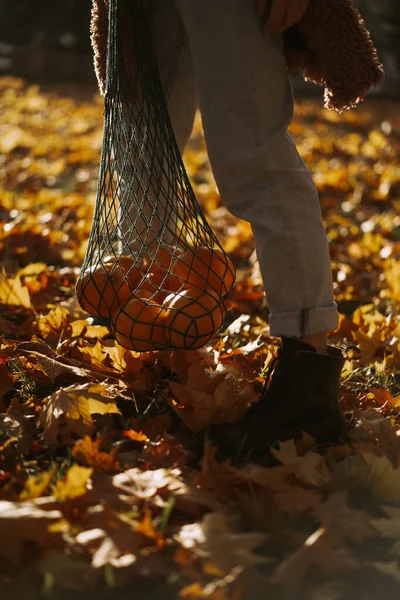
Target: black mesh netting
154,270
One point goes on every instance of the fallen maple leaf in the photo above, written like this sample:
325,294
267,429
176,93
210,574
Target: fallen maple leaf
383,397
145,527
111,539
226,402
343,522
310,468
81,328
37,485
54,325
14,425
13,292
136,436
88,452
74,406
214,540
372,472
74,485
56,370
316,552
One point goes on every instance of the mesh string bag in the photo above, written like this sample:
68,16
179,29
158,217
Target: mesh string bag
154,271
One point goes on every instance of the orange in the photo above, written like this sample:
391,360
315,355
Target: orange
206,267
174,283
128,265
140,326
143,294
193,316
102,289
160,259
154,282
160,285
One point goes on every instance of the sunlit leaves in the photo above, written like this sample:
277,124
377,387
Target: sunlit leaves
103,473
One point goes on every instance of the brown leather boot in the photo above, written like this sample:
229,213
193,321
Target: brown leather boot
300,395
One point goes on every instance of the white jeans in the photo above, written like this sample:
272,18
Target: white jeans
212,55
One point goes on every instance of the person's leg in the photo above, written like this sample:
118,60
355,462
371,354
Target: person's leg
246,105
151,188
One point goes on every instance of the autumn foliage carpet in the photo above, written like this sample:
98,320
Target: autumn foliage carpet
106,491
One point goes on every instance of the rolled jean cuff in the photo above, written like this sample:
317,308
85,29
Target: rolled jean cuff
305,322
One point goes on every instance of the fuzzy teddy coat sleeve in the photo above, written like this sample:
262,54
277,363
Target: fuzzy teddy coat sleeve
331,46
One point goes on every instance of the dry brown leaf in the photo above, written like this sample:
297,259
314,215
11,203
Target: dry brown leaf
149,485
375,473
310,468
215,540
203,379
54,325
74,407
158,486
391,569
14,425
26,522
227,402
111,539
56,370
342,522
316,552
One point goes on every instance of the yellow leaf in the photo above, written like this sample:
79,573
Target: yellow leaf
75,483
15,137
55,322
32,269
13,292
36,485
193,590
74,406
88,451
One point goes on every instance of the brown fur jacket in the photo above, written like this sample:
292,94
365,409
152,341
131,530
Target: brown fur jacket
331,45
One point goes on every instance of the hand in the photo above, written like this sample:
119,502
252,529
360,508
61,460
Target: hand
282,13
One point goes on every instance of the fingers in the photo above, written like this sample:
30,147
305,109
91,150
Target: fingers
284,14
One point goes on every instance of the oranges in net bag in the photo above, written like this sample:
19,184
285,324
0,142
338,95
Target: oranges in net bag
154,270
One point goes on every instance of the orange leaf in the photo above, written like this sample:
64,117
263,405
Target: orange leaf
145,527
136,436
88,452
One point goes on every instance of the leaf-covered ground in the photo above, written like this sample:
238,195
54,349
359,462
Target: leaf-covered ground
105,491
